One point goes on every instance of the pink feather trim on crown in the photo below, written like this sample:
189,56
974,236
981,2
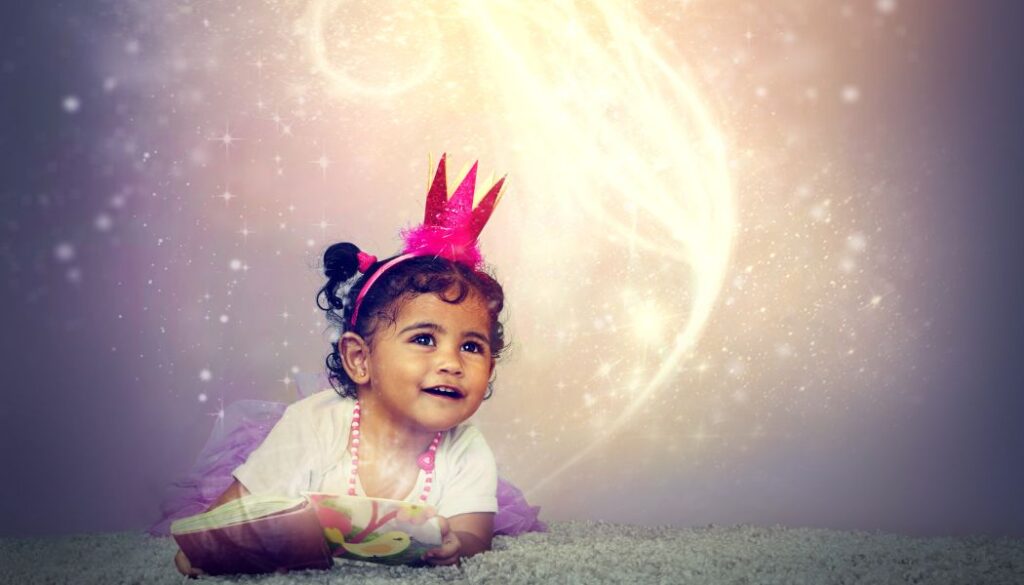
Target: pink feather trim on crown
451,226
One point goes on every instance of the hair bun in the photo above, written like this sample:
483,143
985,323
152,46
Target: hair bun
341,261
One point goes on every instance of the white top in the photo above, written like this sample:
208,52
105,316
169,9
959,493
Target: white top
306,450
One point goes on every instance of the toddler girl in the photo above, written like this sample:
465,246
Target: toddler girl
420,335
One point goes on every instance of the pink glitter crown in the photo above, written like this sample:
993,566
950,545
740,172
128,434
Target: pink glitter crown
451,226
449,230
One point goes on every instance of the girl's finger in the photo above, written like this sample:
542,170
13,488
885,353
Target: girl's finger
443,560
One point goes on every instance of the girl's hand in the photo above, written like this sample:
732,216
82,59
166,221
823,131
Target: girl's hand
451,546
185,567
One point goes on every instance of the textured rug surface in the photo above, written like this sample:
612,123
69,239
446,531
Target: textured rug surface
575,552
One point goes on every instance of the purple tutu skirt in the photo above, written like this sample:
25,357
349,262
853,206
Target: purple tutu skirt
244,426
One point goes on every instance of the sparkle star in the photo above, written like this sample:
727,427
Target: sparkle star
323,162
323,224
226,139
227,196
219,413
604,370
873,302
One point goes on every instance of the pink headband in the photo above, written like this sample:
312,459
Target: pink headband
373,279
449,230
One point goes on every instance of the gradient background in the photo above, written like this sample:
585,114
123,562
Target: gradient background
859,369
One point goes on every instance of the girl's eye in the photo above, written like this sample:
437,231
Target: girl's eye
472,346
423,339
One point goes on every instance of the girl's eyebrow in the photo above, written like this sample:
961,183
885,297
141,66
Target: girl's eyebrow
423,325
442,330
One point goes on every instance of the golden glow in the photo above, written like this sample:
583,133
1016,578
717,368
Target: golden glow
648,320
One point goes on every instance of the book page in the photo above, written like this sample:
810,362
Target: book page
236,511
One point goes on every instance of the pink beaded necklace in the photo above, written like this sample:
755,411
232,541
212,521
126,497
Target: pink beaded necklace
424,461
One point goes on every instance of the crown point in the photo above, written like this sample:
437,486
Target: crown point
437,196
461,201
452,225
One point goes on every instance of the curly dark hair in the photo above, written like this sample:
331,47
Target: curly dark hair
407,279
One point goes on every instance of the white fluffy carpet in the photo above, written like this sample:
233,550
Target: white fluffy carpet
575,552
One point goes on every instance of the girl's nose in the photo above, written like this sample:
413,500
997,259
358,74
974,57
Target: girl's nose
449,362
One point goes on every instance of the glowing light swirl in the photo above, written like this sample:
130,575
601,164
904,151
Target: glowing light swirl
322,11
661,150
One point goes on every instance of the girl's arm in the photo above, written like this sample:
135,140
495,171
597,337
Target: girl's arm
235,490
474,532
462,536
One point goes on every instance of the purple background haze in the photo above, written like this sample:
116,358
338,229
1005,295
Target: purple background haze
83,449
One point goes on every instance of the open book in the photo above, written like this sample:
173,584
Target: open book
265,534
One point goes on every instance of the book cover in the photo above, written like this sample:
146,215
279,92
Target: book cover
375,529
264,534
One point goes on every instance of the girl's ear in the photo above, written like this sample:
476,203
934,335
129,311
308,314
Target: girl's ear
355,357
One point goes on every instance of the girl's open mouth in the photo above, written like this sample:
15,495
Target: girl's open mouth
444,392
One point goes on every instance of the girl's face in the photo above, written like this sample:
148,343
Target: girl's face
430,370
